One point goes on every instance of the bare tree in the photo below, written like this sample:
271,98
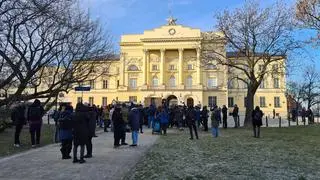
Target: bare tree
308,12
296,91
259,38
311,87
42,45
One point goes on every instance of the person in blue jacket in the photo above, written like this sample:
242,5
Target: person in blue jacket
198,115
164,120
151,115
134,123
65,131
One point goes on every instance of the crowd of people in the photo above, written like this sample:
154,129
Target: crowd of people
75,128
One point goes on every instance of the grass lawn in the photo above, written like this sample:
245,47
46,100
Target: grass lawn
7,139
281,153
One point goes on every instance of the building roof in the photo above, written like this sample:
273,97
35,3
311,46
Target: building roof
238,54
111,57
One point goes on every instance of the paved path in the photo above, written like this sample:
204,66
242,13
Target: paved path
107,163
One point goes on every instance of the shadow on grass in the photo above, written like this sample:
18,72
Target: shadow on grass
281,153
7,139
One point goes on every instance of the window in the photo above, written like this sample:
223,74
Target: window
155,81
276,83
133,83
189,82
133,68
172,67
190,67
91,101
154,67
231,84
260,67
133,98
105,84
104,101
261,86
276,102
211,66
230,102
262,101
212,100
79,99
212,82
91,82
172,81
245,101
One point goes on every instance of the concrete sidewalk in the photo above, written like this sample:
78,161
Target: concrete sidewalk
107,163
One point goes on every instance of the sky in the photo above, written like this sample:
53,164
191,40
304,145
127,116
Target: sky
120,17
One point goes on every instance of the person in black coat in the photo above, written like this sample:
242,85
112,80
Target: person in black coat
191,121
204,117
18,119
34,117
80,131
92,113
225,116
118,124
235,114
257,115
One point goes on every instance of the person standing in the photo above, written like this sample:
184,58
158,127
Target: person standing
225,116
80,131
65,131
141,117
55,117
198,116
204,117
151,115
274,113
106,118
164,120
215,121
235,115
18,119
191,121
110,116
118,123
34,117
134,123
125,113
257,121
92,113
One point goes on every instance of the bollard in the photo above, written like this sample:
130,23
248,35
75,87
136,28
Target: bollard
48,119
297,121
267,124
279,122
289,122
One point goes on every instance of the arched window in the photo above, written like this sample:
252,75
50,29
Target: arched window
133,68
172,81
189,82
155,81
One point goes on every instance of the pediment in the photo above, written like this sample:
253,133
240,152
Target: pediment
171,32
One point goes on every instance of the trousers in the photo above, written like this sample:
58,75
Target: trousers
193,125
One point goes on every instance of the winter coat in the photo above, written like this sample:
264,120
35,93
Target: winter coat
257,117
34,116
235,112
18,115
215,118
190,116
225,112
204,114
81,126
198,114
92,121
164,117
178,115
117,119
134,119
151,111
65,125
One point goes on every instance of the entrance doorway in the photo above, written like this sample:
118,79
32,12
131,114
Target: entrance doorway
190,101
172,100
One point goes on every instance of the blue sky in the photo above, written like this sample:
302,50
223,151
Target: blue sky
134,16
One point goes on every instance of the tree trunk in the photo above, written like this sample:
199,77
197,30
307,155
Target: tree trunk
249,107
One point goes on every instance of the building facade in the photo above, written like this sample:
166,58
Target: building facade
165,63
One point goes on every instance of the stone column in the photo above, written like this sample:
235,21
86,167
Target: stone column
145,66
198,67
180,66
122,70
162,67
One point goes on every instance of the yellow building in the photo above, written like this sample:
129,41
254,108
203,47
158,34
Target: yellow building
165,63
